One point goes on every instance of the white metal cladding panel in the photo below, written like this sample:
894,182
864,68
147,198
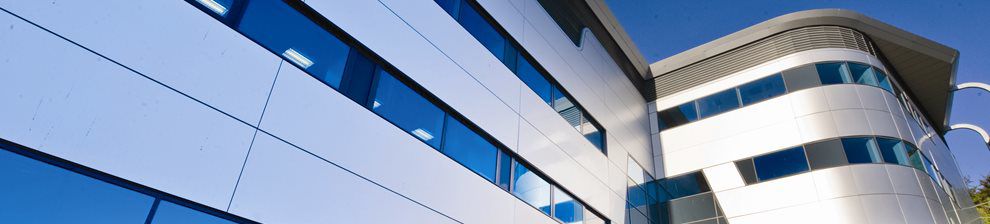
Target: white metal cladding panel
65,101
563,168
604,90
760,51
723,177
282,184
841,197
763,70
404,48
443,32
170,41
305,112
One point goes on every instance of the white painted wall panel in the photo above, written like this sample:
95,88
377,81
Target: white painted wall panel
872,97
882,123
817,126
70,103
871,179
904,180
282,184
808,101
170,41
843,210
851,122
835,182
915,209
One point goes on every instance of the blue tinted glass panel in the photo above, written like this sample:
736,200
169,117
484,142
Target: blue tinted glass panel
914,157
470,149
863,74
883,80
451,6
169,213
677,116
504,170
591,132
407,109
893,151
36,192
534,80
833,73
780,163
861,150
282,29
684,185
358,76
718,103
565,208
531,188
475,24
566,108
762,89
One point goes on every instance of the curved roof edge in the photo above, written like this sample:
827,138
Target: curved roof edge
926,68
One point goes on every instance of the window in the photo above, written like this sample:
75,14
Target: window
590,130
285,31
677,116
747,171
504,170
531,188
35,192
693,208
833,73
762,89
861,150
863,74
470,149
565,208
684,185
718,103
451,6
826,154
915,157
535,80
38,188
883,81
404,107
893,151
170,213
475,24
780,164
563,105
358,76
802,77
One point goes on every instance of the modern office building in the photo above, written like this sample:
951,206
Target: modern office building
462,111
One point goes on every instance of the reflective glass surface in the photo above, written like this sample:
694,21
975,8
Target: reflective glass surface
861,150
915,157
826,154
762,89
288,33
684,185
451,6
833,73
531,188
803,77
475,24
404,107
535,80
592,133
718,103
693,208
863,74
358,76
504,170
169,213
36,192
893,151
779,164
565,208
883,81
747,171
470,149
677,116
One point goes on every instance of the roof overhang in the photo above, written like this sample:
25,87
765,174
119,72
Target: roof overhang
926,69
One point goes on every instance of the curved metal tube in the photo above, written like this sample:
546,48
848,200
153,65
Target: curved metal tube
978,85
977,129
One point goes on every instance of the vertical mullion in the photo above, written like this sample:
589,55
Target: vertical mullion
151,213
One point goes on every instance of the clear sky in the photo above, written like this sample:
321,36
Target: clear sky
663,28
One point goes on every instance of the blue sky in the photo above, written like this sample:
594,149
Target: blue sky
664,28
